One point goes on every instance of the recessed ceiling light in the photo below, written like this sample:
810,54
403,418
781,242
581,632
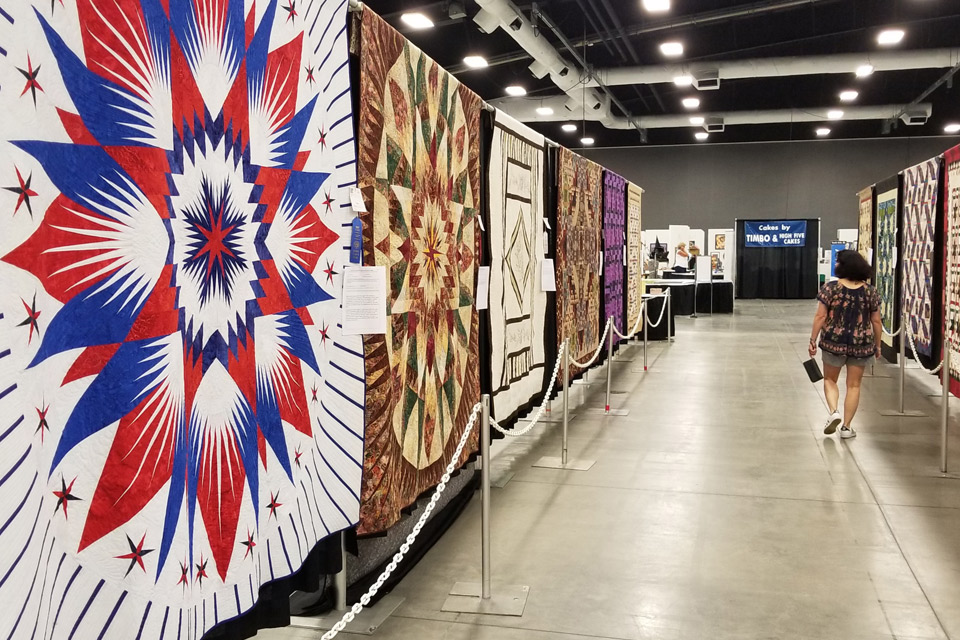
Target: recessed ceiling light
586,141
569,128
864,70
696,121
701,135
823,132
890,36
952,128
683,81
516,90
545,111
475,62
671,49
834,114
848,96
416,20
691,103
656,6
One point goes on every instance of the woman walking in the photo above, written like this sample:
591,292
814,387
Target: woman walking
849,327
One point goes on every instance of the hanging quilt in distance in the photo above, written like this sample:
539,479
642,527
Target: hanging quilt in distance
921,184
518,304
419,169
635,257
865,235
952,262
614,252
185,417
886,256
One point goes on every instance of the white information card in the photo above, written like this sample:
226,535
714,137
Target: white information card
364,300
483,288
548,280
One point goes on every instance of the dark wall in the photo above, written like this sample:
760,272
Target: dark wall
709,185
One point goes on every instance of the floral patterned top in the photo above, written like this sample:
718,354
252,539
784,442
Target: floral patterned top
848,330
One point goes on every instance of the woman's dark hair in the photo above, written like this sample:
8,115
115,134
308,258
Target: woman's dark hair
852,266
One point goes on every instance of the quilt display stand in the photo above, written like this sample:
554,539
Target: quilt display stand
903,375
607,411
563,462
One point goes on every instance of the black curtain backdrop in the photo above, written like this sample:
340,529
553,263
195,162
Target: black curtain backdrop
778,272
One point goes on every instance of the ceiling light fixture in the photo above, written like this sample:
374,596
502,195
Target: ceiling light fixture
416,21
475,62
586,141
671,49
834,114
889,37
696,121
691,103
683,81
701,135
569,128
953,127
864,70
823,132
848,96
544,111
516,91
656,6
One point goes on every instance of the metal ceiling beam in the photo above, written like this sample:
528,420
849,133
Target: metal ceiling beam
781,67
524,109
945,78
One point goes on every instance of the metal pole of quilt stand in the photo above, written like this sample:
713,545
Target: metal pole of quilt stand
478,598
901,413
366,622
945,402
646,321
607,411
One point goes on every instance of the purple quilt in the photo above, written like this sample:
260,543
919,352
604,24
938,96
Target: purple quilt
614,237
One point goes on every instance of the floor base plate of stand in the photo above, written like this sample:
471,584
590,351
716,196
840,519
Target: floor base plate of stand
502,480
573,464
902,414
504,600
551,419
584,383
600,411
616,359
369,620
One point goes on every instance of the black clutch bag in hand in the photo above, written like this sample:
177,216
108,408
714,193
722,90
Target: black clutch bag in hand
813,370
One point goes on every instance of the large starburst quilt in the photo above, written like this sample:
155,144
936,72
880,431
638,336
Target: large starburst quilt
865,234
635,260
182,418
951,218
921,184
419,169
518,305
614,241
886,257
579,228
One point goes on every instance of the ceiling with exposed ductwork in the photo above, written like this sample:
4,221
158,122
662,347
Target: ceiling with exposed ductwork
768,70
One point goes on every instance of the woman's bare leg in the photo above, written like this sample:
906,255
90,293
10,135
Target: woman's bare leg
852,399
830,389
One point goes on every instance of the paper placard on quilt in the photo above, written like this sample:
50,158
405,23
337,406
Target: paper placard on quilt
921,184
419,169
517,245
886,257
579,227
614,241
186,414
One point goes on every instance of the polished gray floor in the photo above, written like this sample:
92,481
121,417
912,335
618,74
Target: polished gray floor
716,509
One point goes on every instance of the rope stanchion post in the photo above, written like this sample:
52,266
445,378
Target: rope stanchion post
466,597
646,323
945,407
564,462
609,367
906,334
670,315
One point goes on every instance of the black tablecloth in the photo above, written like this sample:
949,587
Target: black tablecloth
722,297
688,275
654,309
681,292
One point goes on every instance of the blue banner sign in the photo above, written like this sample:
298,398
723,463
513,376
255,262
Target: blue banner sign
775,233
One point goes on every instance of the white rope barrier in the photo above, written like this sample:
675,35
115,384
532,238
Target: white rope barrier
653,325
887,333
913,348
355,610
603,342
516,433
636,327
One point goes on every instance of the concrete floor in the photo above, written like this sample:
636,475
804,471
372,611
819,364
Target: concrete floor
716,509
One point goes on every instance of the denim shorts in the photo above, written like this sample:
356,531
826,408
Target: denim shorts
838,361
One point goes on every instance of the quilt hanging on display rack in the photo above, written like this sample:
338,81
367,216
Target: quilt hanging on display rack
518,305
419,169
886,257
635,258
952,261
614,249
865,235
579,218
183,416
921,185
